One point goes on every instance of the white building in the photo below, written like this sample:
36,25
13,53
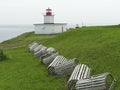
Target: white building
49,27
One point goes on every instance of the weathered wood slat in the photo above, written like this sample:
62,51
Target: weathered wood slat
81,71
45,56
48,53
38,48
51,50
97,82
65,68
50,58
40,52
58,60
33,46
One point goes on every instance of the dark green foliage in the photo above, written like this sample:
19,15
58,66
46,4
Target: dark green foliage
2,56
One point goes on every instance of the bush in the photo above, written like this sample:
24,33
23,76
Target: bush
2,56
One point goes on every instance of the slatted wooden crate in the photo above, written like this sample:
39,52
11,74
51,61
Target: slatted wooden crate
40,52
33,46
103,81
49,59
81,71
57,61
48,53
65,68
38,48
51,50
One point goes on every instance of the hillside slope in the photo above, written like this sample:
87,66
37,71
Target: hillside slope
98,47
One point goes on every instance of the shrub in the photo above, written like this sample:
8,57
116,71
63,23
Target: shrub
2,56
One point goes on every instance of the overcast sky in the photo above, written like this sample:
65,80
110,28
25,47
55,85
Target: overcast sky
88,12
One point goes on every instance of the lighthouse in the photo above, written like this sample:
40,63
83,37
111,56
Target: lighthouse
49,27
49,17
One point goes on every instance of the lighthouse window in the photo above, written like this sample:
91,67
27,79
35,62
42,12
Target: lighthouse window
49,13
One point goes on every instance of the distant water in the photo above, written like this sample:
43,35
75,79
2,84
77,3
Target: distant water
11,31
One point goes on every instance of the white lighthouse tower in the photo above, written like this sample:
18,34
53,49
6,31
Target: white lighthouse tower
49,27
48,17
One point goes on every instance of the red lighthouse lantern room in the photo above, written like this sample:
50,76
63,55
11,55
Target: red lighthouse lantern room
48,12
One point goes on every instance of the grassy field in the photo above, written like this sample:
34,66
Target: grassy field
98,47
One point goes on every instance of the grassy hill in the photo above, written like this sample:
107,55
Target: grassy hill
98,47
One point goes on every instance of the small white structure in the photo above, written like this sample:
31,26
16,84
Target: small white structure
49,27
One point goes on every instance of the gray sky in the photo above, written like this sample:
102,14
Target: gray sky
88,12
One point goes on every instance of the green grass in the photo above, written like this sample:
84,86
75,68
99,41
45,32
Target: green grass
98,47
23,72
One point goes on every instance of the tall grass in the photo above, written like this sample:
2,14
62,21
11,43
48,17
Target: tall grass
98,47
